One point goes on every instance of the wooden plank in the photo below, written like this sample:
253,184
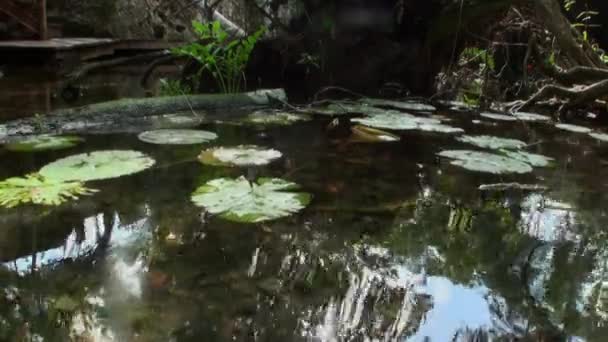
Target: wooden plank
22,15
43,32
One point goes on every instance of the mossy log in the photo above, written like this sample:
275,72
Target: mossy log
103,116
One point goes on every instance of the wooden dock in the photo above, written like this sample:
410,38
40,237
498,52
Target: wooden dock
74,50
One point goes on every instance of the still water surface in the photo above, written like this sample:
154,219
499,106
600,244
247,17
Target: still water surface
396,246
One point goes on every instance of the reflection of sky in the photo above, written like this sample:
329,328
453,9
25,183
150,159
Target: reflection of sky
93,229
546,219
454,307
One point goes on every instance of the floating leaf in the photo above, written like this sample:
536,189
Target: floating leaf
97,165
403,121
43,143
523,116
367,134
238,200
177,136
239,156
533,159
496,116
346,108
266,117
39,190
599,136
491,142
485,162
573,128
414,106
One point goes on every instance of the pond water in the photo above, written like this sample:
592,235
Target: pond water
396,245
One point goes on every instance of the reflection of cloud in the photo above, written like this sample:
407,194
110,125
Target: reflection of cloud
129,276
546,219
389,302
80,242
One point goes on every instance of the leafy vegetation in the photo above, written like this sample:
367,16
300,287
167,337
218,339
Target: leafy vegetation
177,136
244,155
223,58
43,143
241,201
36,189
96,165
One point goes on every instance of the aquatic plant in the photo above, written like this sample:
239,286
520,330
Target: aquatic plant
224,58
403,121
37,189
273,117
573,128
362,133
244,155
523,116
536,160
176,136
485,162
500,117
599,136
491,142
241,201
402,105
43,143
96,165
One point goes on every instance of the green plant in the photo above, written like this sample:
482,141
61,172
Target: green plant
217,54
173,88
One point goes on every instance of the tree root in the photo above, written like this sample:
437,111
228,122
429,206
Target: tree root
576,95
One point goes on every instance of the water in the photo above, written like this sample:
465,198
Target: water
396,246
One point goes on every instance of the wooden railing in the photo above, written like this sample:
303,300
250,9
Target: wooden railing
32,18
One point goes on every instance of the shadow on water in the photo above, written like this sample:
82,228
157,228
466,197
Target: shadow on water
396,245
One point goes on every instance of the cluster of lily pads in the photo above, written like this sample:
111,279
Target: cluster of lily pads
238,199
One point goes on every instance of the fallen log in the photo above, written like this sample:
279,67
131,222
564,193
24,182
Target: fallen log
84,119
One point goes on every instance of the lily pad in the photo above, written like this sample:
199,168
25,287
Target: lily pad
573,128
496,116
599,136
491,142
367,134
97,165
533,159
523,116
403,121
403,105
346,108
239,156
265,117
177,136
485,162
238,200
36,189
43,143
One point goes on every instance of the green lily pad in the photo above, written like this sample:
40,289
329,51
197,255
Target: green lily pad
97,165
599,136
402,105
403,121
36,189
491,142
239,156
267,117
485,162
238,200
177,136
346,108
43,143
573,128
367,134
533,159
523,116
500,117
